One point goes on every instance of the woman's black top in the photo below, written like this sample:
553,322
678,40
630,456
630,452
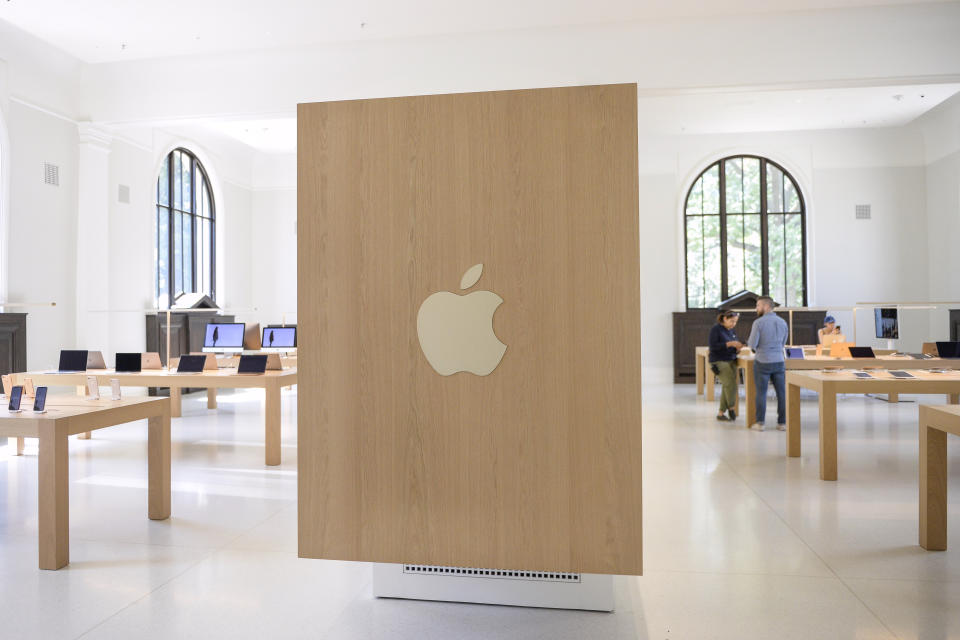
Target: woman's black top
719,337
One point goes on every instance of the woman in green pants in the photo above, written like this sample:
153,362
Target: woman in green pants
724,346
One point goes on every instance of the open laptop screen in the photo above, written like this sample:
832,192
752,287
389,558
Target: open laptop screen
948,349
191,364
128,362
73,360
252,364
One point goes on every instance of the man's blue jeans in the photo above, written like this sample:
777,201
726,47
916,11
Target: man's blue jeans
763,373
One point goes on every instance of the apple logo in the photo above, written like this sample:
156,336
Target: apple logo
456,331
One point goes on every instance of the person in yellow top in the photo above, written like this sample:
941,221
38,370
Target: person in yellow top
830,328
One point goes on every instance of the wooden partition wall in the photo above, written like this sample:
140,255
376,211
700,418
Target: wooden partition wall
535,466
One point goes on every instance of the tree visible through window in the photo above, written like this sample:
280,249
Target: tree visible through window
184,232
744,230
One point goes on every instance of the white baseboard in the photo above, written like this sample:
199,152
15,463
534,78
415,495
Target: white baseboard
554,590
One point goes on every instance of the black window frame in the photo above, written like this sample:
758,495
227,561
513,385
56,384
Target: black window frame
196,169
725,293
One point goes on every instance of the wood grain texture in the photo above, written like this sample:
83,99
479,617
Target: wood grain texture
537,465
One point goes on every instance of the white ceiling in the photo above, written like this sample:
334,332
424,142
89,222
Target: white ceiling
113,30
702,113
795,110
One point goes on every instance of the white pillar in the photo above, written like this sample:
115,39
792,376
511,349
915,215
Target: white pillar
93,239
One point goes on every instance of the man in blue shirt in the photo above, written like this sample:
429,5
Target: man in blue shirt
768,335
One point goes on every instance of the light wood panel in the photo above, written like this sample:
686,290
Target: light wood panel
537,465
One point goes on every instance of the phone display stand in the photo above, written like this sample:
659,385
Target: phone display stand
114,389
93,388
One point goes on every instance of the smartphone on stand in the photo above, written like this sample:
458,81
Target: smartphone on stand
15,395
40,400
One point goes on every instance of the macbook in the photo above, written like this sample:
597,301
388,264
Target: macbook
252,365
129,363
73,361
948,349
861,352
151,360
191,364
95,360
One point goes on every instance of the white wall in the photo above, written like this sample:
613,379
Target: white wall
42,226
835,169
274,273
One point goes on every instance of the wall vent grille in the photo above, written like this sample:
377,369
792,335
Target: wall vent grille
123,194
501,574
51,174
862,211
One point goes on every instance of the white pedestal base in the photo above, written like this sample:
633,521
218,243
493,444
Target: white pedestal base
555,590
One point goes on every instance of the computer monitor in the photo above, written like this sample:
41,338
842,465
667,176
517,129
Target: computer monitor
223,337
887,323
279,338
72,361
795,353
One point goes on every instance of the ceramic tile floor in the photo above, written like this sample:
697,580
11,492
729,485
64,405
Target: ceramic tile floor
739,541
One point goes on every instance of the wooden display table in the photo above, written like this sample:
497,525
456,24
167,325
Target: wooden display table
935,424
815,363
66,416
271,382
828,385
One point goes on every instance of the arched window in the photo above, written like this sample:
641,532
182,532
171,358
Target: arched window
745,230
185,232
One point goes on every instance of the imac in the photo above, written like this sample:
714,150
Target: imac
279,339
887,324
223,337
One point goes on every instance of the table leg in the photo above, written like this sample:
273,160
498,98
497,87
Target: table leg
53,498
893,397
16,446
736,397
711,382
933,486
750,394
272,423
158,466
211,398
82,391
793,421
176,404
828,435
953,398
699,360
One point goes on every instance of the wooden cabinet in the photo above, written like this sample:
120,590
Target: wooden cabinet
692,328
13,342
186,333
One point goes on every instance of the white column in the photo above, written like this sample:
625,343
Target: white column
93,239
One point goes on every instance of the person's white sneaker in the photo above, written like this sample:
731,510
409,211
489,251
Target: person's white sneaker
758,426
781,427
